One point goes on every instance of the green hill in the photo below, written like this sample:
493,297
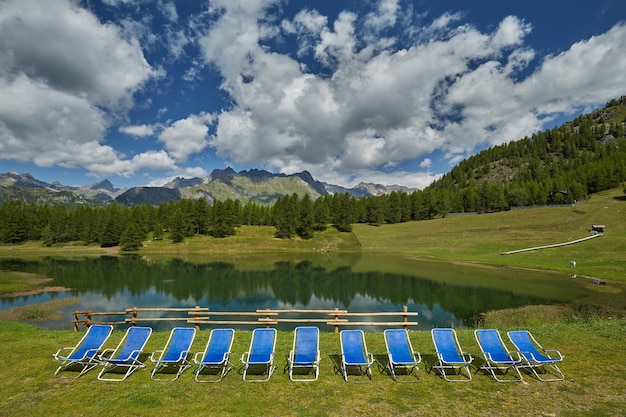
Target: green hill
556,166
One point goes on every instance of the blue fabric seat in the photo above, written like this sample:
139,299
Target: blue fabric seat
536,359
216,356
450,356
83,355
400,354
126,354
354,354
174,354
259,359
497,357
305,354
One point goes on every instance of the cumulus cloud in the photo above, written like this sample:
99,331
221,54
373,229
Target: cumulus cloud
187,136
68,76
454,89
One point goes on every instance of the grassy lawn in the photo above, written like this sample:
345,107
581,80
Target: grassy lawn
594,369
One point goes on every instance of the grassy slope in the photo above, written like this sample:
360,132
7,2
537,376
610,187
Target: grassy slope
481,238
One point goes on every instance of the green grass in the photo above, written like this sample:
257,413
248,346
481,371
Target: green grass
591,342
482,238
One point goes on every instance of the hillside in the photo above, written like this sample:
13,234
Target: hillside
556,166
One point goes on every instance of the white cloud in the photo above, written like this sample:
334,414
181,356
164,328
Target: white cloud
187,136
68,76
452,90
138,131
385,15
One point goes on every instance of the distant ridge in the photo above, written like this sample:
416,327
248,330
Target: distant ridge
254,185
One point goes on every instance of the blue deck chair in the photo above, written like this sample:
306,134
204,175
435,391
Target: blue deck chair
174,354
450,356
259,359
216,356
305,354
354,354
83,355
497,357
401,355
126,354
536,358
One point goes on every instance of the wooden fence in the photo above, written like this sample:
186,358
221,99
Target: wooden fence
202,316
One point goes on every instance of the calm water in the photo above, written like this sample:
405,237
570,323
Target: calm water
442,294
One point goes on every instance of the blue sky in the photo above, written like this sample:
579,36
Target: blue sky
387,91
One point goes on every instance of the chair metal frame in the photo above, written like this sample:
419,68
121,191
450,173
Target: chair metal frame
85,351
174,354
260,355
305,353
401,354
535,357
498,358
216,355
354,354
450,356
126,354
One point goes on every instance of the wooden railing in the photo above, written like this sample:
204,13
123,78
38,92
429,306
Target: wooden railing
268,317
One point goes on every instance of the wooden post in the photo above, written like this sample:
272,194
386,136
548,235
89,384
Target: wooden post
76,313
267,317
405,317
336,327
196,316
88,321
134,319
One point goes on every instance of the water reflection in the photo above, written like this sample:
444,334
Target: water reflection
437,292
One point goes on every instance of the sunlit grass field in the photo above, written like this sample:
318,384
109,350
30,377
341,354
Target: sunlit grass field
593,366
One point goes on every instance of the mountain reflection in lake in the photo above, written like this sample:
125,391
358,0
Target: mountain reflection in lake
442,294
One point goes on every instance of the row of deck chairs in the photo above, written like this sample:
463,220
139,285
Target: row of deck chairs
498,359
304,358
173,358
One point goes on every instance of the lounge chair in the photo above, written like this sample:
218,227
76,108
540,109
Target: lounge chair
536,358
259,359
354,354
174,354
126,354
497,357
400,353
450,356
305,354
83,355
216,356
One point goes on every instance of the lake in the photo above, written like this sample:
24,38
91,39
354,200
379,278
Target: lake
443,294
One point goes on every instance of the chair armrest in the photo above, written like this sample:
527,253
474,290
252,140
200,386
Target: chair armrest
104,352
518,356
245,355
419,357
196,356
290,358
57,355
370,358
554,351
154,353
467,356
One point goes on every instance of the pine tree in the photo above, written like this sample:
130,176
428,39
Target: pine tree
132,237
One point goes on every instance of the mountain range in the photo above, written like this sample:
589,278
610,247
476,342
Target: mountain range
257,186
